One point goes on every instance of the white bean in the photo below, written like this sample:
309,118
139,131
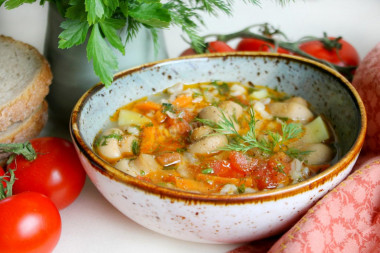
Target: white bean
145,163
124,165
290,110
126,144
109,146
200,132
208,144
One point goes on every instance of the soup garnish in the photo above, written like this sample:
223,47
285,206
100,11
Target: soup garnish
218,138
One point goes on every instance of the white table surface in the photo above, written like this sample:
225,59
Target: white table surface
91,224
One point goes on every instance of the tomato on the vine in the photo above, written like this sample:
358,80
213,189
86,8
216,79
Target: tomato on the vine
30,223
219,47
257,45
211,47
56,172
2,173
344,56
188,51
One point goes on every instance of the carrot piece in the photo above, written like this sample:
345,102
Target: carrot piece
183,100
169,158
147,105
159,116
216,180
191,185
148,140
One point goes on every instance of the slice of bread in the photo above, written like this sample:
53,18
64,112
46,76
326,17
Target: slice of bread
25,77
25,130
28,128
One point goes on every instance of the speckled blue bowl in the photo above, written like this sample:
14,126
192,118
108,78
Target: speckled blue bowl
222,218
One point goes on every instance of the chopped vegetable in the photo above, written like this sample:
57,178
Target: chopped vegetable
127,117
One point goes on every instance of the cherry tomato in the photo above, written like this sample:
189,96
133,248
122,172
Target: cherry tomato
218,47
211,47
242,163
30,223
2,173
188,51
56,172
346,56
251,44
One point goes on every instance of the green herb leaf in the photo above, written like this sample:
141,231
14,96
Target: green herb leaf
135,147
25,149
244,143
74,33
208,171
11,4
102,140
222,88
241,188
76,11
109,27
153,14
111,4
167,107
95,10
104,59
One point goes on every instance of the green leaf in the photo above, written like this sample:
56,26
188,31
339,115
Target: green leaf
104,59
124,8
152,14
25,149
76,11
11,4
95,10
1,2
74,33
111,4
109,28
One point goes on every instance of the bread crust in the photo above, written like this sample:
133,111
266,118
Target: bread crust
31,97
29,128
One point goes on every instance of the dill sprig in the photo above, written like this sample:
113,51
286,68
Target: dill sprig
272,143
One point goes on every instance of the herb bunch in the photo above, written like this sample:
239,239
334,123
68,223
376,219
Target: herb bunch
275,142
103,21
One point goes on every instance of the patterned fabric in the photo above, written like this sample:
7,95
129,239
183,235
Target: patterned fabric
345,220
367,83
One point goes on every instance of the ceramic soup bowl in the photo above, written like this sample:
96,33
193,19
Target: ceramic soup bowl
220,218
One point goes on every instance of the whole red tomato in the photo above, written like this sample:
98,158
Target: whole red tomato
188,51
211,47
219,47
2,173
56,172
345,56
30,223
251,44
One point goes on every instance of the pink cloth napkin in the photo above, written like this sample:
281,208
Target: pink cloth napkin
347,219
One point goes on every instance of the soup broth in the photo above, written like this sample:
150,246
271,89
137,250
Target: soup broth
218,138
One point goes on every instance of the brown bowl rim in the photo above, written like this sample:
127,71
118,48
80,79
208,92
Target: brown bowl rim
257,197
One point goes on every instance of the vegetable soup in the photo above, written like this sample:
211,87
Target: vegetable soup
218,138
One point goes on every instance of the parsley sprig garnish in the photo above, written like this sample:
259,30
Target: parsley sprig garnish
273,143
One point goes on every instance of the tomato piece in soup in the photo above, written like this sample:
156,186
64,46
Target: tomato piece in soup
272,173
242,163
